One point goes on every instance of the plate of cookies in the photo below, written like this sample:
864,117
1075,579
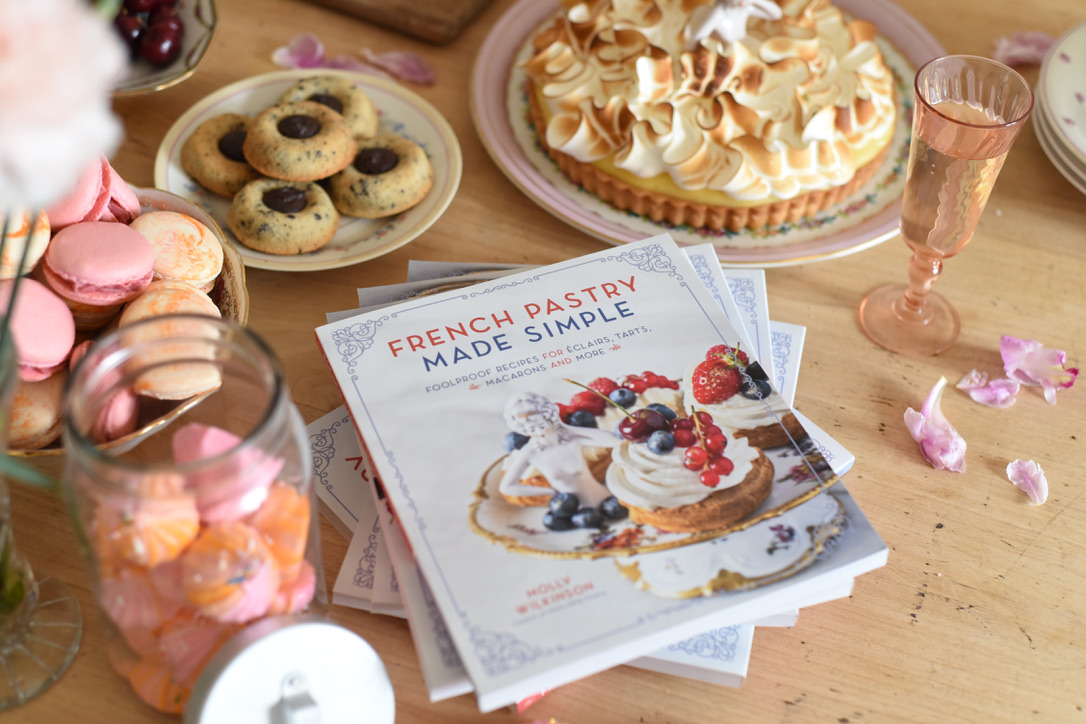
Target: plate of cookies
312,169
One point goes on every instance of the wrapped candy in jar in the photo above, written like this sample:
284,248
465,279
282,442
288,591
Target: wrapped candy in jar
201,522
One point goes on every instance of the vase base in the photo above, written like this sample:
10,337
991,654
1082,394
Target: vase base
32,664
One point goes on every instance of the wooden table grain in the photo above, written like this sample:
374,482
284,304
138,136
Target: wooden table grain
980,614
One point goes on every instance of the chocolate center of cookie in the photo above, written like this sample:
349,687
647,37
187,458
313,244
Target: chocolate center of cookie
374,161
298,126
331,101
285,199
230,145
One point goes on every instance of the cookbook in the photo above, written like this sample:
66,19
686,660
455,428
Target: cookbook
570,451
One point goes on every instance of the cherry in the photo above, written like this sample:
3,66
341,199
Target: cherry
140,6
166,15
641,424
160,45
131,29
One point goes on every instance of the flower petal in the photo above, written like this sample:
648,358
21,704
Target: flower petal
997,393
402,65
1028,477
1022,48
1031,363
940,443
303,51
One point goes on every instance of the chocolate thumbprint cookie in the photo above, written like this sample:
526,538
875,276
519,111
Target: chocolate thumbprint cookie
389,175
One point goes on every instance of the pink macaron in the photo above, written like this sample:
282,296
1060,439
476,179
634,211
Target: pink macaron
99,263
41,326
100,194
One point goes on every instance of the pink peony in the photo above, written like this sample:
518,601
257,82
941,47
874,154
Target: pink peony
59,62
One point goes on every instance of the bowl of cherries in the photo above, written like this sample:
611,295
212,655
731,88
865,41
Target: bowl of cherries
166,39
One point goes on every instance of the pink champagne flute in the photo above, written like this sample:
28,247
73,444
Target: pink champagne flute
968,112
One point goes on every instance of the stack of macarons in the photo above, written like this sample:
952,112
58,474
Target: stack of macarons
93,262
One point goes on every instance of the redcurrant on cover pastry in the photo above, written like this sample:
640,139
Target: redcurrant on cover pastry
459,397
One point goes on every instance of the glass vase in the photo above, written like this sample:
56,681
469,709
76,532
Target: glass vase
203,522
40,621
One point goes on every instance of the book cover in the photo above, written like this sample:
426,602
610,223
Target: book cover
537,595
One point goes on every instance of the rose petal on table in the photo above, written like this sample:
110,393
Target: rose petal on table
402,65
307,51
1031,363
1022,48
1029,478
939,442
997,393
303,51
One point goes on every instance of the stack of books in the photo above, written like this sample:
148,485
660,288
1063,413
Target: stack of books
534,533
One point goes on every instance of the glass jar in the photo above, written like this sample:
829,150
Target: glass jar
200,520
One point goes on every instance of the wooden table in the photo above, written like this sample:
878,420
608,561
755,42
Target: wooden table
980,614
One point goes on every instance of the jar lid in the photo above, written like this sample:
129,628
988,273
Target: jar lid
290,670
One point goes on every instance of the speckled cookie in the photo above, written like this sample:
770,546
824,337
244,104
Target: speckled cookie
341,95
213,156
282,217
300,141
388,176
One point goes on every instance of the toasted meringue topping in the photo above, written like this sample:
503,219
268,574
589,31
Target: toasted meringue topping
797,104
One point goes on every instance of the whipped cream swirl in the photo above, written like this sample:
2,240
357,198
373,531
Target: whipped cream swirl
641,478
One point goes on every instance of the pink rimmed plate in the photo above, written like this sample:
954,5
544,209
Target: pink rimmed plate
499,110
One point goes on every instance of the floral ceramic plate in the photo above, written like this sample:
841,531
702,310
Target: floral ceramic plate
401,111
1062,91
200,23
499,109
769,551
1060,155
521,530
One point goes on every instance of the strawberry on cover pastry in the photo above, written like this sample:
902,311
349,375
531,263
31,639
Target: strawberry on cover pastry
737,393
